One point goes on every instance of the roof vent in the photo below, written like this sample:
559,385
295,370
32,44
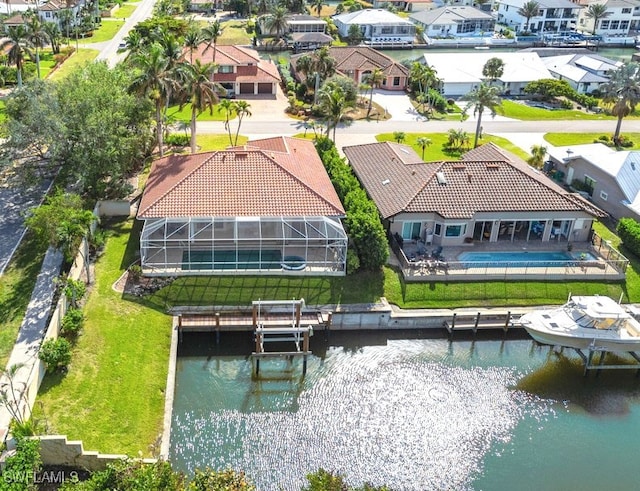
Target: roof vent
385,182
441,178
633,166
493,166
459,167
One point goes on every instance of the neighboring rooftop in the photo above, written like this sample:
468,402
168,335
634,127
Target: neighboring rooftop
371,17
450,15
279,176
485,180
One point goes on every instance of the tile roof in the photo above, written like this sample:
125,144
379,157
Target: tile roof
273,177
250,67
351,58
485,180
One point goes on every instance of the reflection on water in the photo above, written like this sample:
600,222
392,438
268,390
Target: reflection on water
414,414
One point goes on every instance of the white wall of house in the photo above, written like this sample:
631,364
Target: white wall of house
619,21
561,18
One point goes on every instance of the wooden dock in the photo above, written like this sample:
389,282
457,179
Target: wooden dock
480,322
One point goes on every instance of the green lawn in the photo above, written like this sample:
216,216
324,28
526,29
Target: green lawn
16,286
77,59
174,113
234,33
217,142
112,397
125,11
563,139
105,32
434,152
523,112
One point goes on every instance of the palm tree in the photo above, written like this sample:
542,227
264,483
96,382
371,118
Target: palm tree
52,31
66,17
210,35
538,153
493,69
374,79
596,11
334,104
622,91
36,37
154,80
426,78
228,107
399,136
15,36
134,42
197,89
242,110
423,142
191,41
485,96
276,20
528,10
317,6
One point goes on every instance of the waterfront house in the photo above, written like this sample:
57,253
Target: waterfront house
454,21
405,5
378,26
264,208
488,196
306,32
622,19
608,178
357,62
584,72
554,16
462,72
240,70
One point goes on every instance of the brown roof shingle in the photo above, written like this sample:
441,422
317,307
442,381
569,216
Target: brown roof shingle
485,180
265,178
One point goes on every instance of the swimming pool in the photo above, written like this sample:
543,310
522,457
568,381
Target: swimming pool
519,259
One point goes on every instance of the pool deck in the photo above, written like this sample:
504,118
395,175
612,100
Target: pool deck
423,267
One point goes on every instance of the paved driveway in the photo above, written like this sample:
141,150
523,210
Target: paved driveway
14,202
398,105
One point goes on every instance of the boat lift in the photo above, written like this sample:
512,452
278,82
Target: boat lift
276,331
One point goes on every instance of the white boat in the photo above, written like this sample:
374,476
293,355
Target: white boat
585,322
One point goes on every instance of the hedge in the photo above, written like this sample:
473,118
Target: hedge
629,232
363,221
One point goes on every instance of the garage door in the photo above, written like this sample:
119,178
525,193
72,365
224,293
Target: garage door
246,88
265,88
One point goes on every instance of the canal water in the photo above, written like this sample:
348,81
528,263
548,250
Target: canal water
410,410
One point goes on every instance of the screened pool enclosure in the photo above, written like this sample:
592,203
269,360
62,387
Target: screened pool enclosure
249,245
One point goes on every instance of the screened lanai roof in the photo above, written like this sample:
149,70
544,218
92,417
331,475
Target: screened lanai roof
277,177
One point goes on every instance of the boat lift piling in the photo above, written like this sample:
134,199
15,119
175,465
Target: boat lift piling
589,364
265,333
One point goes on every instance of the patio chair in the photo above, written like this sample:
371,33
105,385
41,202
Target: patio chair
437,252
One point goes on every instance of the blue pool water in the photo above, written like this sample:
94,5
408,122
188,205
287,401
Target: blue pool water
521,258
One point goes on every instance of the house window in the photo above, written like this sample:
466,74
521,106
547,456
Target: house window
626,11
604,195
455,230
589,184
624,24
396,81
225,69
438,229
604,24
411,230
615,24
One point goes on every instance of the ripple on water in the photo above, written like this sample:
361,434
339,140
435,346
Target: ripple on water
375,416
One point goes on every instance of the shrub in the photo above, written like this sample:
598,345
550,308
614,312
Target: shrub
629,232
177,140
55,353
624,141
450,102
363,221
135,272
74,290
25,462
72,321
566,104
438,102
353,262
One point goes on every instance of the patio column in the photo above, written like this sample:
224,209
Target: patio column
255,88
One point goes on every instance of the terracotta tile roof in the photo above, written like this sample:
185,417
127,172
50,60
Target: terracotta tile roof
55,5
265,178
250,68
485,180
351,58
